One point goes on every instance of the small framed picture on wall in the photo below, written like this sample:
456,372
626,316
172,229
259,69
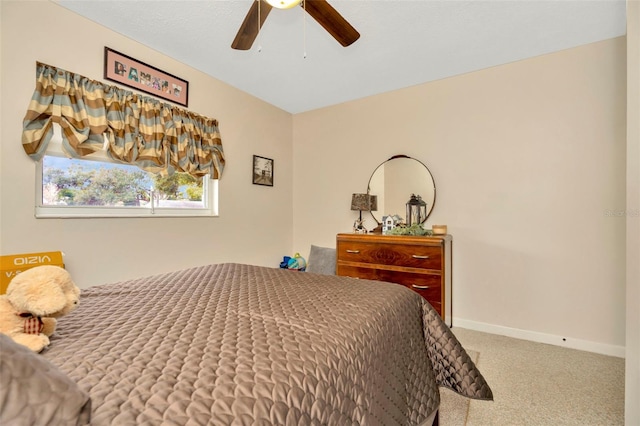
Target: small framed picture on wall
262,171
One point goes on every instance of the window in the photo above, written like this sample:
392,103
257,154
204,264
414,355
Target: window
96,186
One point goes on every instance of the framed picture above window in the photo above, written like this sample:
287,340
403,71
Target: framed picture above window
126,70
262,171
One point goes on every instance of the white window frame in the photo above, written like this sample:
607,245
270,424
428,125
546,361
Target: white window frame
209,192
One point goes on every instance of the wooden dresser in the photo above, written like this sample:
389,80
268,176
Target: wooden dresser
422,264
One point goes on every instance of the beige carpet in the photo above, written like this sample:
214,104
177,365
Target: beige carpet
535,384
453,407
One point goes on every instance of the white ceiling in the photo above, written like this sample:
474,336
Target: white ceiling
402,42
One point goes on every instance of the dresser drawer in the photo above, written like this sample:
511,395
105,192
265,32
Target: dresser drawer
404,255
428,286
432,295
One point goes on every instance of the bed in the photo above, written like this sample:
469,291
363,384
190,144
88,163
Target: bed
247,345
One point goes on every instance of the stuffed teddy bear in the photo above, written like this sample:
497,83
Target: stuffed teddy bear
34,299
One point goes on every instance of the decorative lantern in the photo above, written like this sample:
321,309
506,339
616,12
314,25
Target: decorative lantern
416,210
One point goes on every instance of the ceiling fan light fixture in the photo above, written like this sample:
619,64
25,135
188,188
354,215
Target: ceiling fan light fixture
284,4
320,10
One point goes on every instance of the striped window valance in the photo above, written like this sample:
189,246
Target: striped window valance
133,129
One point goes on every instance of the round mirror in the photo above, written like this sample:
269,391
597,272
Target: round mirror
395,180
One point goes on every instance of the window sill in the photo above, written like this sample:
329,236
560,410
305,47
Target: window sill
116,212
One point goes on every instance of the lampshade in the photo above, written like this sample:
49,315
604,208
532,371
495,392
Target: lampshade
284,4
364,202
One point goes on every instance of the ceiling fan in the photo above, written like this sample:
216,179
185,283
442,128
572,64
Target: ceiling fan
320,10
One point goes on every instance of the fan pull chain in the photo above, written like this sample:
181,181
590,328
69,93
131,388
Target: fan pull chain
259,36
304,29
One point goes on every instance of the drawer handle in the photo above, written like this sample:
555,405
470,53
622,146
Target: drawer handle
415,256
353,251
421,287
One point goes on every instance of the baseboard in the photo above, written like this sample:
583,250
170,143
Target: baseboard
567,342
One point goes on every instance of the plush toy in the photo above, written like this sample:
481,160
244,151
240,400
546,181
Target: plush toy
297,263
34,299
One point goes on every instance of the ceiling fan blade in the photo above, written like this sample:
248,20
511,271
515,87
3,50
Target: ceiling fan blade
249,29
332,21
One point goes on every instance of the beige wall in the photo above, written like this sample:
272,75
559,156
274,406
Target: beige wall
529,165
254,225
632,373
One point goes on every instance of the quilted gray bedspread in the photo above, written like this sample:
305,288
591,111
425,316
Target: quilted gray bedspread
247,345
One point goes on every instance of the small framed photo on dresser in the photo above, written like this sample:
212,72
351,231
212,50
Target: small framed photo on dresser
262,171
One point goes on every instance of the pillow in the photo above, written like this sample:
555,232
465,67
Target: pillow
33,391
322,260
